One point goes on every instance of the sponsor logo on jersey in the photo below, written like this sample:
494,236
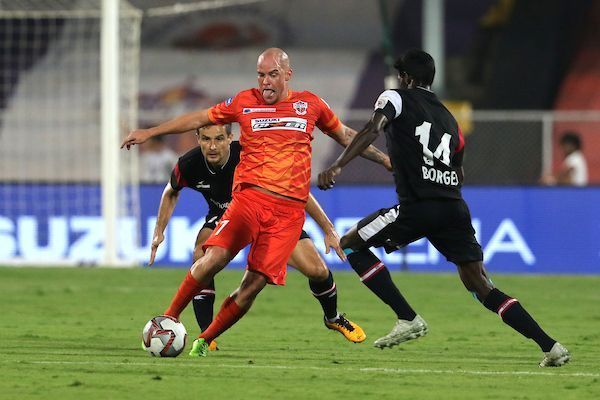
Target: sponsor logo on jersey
300,107
258,109
286,123
202,185
220,205
228,101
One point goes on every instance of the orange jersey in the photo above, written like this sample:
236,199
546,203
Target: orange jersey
276,138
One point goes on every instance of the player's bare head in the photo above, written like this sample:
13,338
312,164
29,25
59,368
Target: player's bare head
274,72
214,141
415,68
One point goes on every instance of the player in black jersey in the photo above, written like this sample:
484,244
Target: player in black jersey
426,148
209,169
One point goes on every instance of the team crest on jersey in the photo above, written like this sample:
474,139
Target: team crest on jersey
381,102
300,107
228,101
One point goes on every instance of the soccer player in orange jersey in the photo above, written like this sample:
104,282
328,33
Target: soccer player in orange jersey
270,188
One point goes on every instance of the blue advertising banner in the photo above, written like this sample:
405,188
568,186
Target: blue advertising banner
521,229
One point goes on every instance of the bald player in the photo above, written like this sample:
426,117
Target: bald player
270,188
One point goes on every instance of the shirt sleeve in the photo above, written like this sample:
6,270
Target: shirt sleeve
459,150
225,112
178,182
327,121
571,161
389,103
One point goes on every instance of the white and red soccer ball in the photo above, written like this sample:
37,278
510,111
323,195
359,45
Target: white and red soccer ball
164,336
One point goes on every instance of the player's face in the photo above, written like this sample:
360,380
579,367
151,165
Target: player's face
272,79
214,144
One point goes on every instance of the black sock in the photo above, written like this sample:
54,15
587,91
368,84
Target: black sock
203,306
376,277
514,315
326,292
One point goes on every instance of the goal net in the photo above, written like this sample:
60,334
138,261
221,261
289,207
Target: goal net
50,134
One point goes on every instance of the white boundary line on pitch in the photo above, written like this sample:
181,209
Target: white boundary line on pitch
350,369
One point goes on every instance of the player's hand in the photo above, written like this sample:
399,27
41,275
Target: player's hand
156,241
332,240
327,177
387,163
137,136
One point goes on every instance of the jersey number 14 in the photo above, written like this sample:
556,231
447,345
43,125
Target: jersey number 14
442,152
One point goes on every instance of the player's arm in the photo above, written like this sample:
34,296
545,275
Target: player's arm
332,239
165,210
344,135
360,143
183,123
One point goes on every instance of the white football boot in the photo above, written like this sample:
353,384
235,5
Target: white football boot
556,357
403,331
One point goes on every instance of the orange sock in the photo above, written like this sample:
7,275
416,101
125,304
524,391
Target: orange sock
186,292
229,314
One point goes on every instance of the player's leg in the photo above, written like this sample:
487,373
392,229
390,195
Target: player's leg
511,311
280,222
232,310
457,242
233,232
199,277
373,230
376,230
306,259
204,300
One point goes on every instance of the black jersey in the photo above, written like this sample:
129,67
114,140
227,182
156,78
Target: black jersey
424,143
193,171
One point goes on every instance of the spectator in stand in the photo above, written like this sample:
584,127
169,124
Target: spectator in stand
573,170
156,161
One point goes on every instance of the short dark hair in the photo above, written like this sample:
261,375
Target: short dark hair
226,126
571,138
417,64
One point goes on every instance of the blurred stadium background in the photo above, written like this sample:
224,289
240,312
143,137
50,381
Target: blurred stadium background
517,75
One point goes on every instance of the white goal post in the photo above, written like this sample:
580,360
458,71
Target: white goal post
68,94
69,76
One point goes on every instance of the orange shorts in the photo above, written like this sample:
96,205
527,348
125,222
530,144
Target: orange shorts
270,223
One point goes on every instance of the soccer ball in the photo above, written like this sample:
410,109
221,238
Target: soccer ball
164,336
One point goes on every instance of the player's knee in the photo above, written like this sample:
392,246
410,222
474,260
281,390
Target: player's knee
351,241
319,273
213,261
346,242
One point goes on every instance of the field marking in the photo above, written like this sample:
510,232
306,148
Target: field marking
348,369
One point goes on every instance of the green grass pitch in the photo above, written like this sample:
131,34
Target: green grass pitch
75,334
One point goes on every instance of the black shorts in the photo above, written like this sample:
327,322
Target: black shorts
211,221
445,223
303,235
